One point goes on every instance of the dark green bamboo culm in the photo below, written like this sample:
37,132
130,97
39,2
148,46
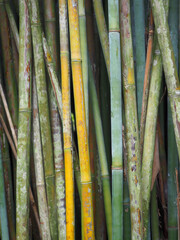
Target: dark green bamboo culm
172,154
45,128
3,209
102,153
24,125
116,120
139,27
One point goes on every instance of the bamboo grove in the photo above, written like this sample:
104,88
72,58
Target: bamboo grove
89,119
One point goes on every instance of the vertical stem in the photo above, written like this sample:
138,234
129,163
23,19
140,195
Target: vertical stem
3,208
116,120
102,154
39,169
172,155
67,128
24,126
132,134
139,27
45,128
84,54
86,184
102,30
50,29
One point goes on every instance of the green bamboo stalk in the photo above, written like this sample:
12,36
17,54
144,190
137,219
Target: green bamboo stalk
150,129
139,27
172,156
102,154
150,132
154,215
3,208
47,147
12,23
84,55
8,67
169,65
132,135
50,30
116,120
102,30
39,169
24,125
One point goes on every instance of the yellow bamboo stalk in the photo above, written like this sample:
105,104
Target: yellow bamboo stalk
86,184
67,135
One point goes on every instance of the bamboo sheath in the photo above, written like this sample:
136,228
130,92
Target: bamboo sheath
116,120
86,184
47,147
132,136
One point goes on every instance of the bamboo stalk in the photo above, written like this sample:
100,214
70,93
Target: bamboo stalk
39,169
3,208
86,184
139,27
172,154
12,23
67,134
44,116
84,55
24,125
116,120
102,30
169,65
150,129
154,215
146,82
102,155
132,138
50,29
178,198
10,83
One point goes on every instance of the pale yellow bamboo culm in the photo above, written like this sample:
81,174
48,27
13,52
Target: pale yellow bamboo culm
86,184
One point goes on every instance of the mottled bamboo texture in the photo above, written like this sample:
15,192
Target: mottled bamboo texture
102,30
86,184
50,29
116,120
39,169
132,133
67,128
24,125
169,64
44,118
